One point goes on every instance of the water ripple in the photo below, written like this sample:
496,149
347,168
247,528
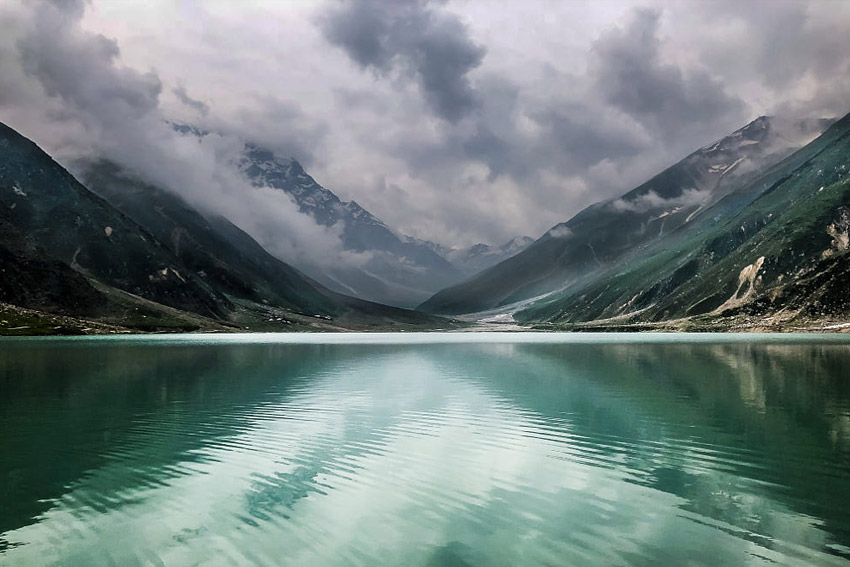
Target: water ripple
537,454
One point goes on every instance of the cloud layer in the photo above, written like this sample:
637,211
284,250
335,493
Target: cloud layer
432,47
456,121
116,110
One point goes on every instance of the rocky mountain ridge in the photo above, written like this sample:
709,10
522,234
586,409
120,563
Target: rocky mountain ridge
401,270
604,234
771,254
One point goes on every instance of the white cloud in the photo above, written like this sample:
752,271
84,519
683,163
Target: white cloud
651,201
560,231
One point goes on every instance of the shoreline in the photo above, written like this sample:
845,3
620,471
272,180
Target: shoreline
18,321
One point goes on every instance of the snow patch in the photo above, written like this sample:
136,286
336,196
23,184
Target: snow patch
18,191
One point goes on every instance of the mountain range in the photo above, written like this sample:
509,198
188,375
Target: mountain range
743,233
748,232
128,255
400,270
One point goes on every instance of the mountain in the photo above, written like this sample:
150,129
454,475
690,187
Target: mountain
770,254
399,271
52,229
222,255
602,235
73,261
479,257
233,262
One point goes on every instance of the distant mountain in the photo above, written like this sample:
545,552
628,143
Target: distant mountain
771,254
604,234
400,271
479,257
71,258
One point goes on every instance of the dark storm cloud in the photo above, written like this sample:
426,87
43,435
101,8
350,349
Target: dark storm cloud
786,43
602,132
578,135
607,130
74,8
79,68
410,35
630,75
193,103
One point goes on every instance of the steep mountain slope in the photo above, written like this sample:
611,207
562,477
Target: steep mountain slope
399,271
770,253
54,231
230,261
73,262
604,233
222,255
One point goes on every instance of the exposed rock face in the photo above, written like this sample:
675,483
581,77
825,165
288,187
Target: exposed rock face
840,233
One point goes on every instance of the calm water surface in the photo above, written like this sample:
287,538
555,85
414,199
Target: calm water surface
442,449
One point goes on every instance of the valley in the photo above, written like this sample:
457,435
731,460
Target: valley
748,233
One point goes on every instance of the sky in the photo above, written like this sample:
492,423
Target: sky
456,121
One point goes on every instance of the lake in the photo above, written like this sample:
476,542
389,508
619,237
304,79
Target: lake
444,449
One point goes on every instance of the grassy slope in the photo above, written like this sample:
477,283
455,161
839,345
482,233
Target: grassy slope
785,218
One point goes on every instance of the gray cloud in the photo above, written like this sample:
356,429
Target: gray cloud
592,135
193,103
410,35
395,105
579,135
798,51
629,73
117,109
80,67
280,125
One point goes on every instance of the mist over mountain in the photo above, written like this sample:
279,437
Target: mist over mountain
397,157
134,256
604,233
771,254
479,257
394,269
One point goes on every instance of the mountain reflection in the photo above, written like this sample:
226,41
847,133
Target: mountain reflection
439,454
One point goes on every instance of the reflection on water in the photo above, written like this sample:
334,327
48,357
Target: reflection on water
223,452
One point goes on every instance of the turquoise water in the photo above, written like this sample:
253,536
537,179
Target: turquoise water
468,449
